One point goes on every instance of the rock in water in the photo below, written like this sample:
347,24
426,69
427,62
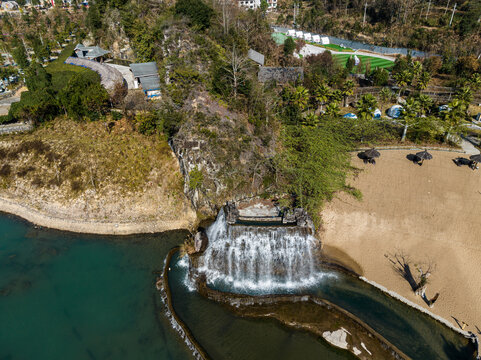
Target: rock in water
200,241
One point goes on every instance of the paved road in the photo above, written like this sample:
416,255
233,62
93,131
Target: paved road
5,103
126,74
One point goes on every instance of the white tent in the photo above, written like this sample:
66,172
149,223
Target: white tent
316,38
299,34
291,32
324,40
307,36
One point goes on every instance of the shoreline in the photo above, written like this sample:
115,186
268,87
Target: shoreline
89,227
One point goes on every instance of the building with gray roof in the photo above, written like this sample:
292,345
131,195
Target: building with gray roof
90,52
147,76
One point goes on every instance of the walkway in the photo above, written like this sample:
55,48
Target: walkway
126,74
309,49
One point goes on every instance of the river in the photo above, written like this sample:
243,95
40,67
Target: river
75,296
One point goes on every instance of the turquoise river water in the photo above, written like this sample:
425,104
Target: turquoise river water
75,296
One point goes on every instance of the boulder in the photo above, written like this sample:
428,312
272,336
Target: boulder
200,241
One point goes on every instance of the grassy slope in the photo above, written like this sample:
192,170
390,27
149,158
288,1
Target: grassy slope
61,72
131,156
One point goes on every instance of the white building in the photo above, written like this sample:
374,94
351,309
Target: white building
254,4
291,32
307,36
299,34
324,40
316,38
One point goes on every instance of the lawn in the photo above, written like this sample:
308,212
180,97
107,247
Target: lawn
374,61
61,72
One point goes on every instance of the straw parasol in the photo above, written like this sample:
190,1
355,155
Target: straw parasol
476,158
424,155
372,153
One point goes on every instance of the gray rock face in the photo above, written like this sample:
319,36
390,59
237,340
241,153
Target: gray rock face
231,213
280,74
200,241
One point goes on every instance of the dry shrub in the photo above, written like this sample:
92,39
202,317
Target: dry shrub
5,170
55,181
37,181
24,171
76,186
3,153
75,171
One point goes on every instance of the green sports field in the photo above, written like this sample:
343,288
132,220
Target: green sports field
374,61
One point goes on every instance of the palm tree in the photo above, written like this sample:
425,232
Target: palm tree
335,96
475,81
453,119
310,119
417,68
385,95
347,90
332,109
366,106
321,94
423,80
465,95
425,103
402,79
409,115
300,97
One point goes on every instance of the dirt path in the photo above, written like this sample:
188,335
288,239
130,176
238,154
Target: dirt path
429,212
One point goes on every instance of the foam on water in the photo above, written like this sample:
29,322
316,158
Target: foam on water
260,258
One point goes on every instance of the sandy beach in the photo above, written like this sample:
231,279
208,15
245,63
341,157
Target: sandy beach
430,213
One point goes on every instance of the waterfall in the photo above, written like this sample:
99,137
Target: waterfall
259,258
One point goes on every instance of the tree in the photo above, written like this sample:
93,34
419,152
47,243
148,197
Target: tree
453,119
347,90
19,54
366,106
380,77
402,79
425,103
385,95
300,97
264,6
199,12
37,78
475,81
409,115
321,94
423,80
289,46
236,69
84,97
332,109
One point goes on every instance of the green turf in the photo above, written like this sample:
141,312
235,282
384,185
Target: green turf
61,72
374,61
279,38
334,47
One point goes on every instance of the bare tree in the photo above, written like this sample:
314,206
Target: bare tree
403,264
237,66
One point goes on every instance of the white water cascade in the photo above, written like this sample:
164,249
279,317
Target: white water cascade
259,258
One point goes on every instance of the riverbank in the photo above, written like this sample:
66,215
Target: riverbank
94,227
83,177
427,213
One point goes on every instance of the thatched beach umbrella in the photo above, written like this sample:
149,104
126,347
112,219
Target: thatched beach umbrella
424,155
476,158
372,153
